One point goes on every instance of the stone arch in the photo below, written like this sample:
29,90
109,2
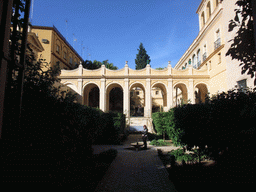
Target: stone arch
159,96
114,97
91,94
180,93
201,91
137,99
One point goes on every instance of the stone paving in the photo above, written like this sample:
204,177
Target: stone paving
134,170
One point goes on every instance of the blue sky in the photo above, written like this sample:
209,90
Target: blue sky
114,29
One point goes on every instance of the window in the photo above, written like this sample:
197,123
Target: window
65,55
194,61
58,48
205,54
242,85
216,2
137,92
70,60
209,11
217,43
157,92
202,19
198,58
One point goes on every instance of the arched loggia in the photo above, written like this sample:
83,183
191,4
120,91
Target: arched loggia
137,100
159,97
180,94
114,98
91,95
201,92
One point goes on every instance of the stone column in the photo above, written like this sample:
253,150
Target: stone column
126,98
191,95
80,84
148,107
80,90
103,95
169,94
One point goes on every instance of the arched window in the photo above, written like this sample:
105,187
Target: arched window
208,10
198,58
205,53
217,42
216,2
194,61
189,61
202,19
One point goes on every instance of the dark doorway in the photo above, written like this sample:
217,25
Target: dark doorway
116,100
94,97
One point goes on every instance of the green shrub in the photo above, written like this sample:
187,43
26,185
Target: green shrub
180,156
159,142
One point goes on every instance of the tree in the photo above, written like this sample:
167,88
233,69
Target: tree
142,58
243,46
160,68
97,64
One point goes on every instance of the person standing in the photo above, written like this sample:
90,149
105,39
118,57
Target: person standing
145,136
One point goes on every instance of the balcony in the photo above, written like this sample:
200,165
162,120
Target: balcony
217,43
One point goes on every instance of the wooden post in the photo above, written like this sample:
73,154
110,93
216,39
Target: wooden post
5,23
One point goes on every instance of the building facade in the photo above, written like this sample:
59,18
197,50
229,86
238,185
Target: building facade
56,48
211,45
96,86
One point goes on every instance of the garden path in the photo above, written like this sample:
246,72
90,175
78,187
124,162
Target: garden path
134,170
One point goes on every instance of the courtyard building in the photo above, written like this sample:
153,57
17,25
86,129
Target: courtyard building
204,69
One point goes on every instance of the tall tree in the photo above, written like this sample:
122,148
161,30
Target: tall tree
243,46
142,58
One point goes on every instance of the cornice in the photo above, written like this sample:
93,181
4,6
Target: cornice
138,77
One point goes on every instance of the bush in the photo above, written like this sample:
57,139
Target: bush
159,142
165,123
180,156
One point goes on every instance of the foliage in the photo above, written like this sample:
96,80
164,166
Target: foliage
243,46
180,156
160,68
164,123
87,64
217,124
119,121
159,142
142,58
